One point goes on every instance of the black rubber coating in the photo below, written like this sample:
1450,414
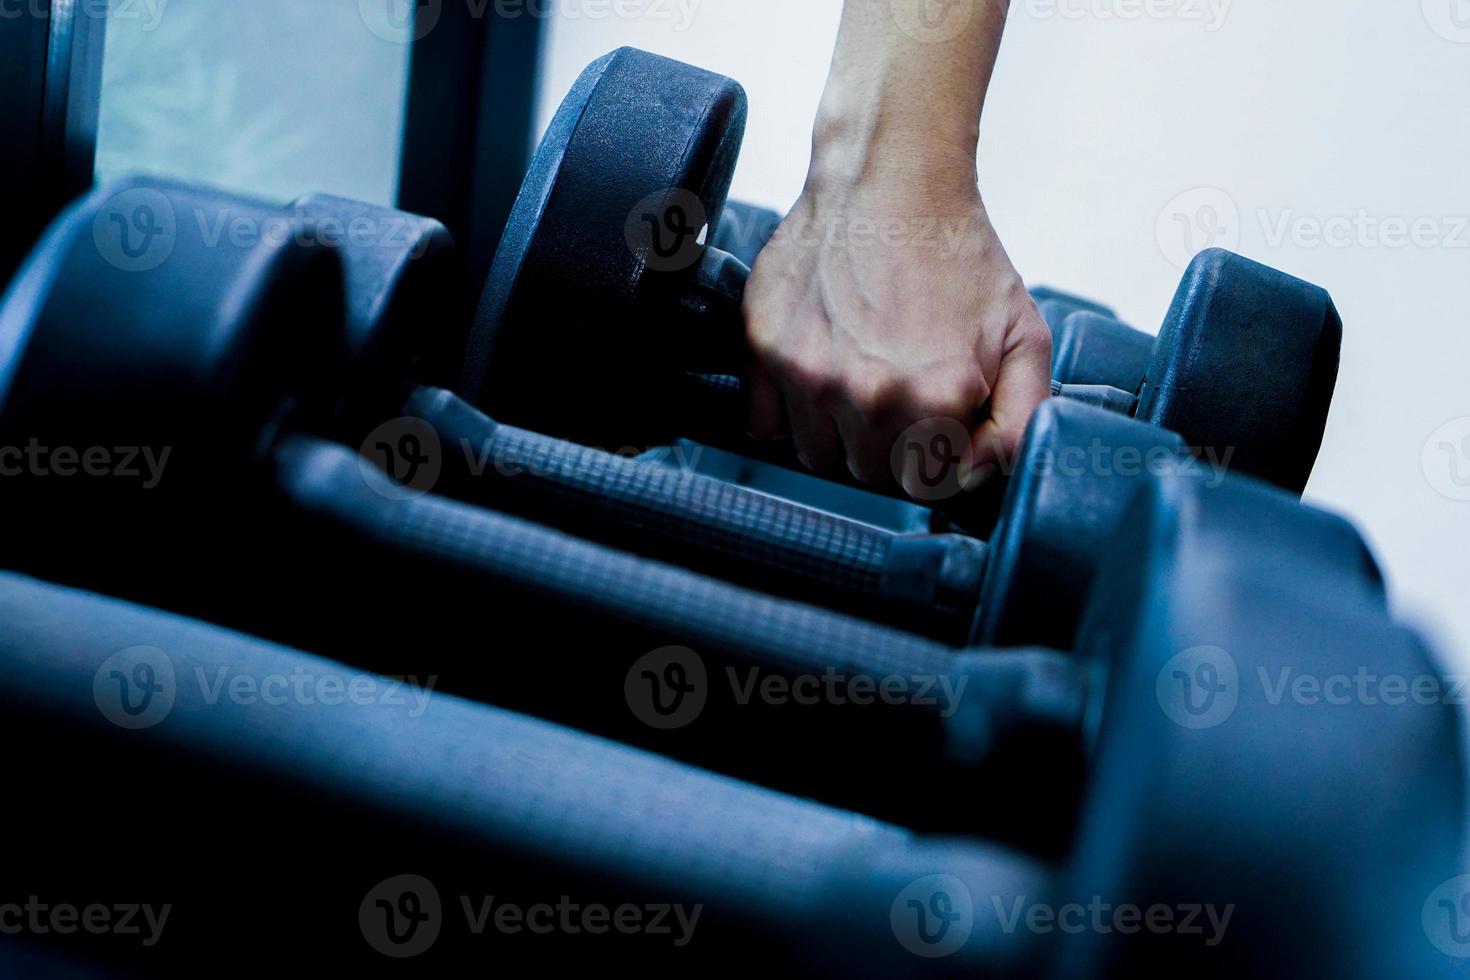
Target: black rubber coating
1247,362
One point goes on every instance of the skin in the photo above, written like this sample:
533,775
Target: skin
886,298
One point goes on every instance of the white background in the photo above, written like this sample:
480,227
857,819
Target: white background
1288,115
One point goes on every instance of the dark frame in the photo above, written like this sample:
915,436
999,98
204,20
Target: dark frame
467,140
51,74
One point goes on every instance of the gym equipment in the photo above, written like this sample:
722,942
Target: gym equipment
229,354
1072,480
1029,589
395,305
744,230
51,74
1055,522
1064,303
476,801
1091,349
610,610
603,291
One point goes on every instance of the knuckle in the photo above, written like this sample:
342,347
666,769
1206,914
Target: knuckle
809,374
877,395
956,395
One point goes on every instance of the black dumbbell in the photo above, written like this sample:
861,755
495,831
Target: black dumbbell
221,351
1321,856
603,291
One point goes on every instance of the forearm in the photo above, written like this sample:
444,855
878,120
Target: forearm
905,91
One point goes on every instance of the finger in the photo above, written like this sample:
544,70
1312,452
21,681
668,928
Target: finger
869,419
813,430
1022,383
764,414
869,453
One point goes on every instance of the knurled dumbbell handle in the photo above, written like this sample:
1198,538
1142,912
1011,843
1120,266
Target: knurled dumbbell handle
730,627
927,583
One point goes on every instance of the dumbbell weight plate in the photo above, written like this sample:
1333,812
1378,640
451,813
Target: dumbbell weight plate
402,302
1062,304
1261,392
109,312
1095,349
639,138
1194,663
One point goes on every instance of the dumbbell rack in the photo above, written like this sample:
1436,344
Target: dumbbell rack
334,695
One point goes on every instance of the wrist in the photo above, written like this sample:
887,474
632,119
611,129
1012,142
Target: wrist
910,159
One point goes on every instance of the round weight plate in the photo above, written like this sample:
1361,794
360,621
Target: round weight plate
1077,470
1246,364
1199,613
404,321
620,198
154,314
